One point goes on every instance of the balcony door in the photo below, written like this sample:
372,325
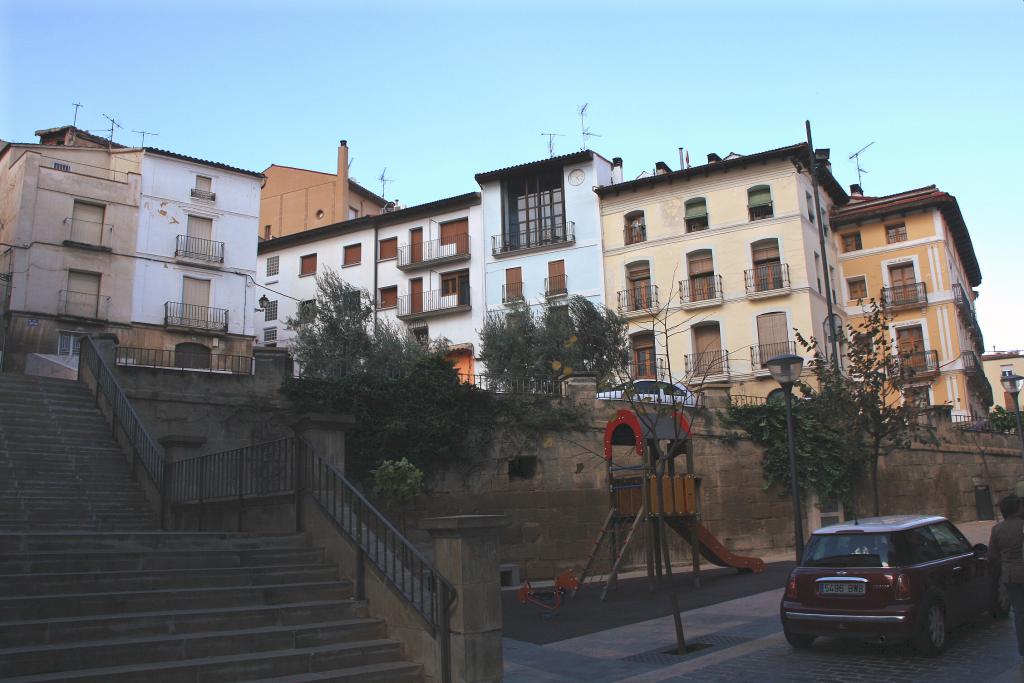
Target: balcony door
910,346
707,349
416,295
701,268
639,277
199,228
772,336
902,280
87,223
416,245
454,238
535,210
643,356
83,294
767,265
195,297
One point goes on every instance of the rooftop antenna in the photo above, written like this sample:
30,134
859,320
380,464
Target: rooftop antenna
112,124
384,180
144,133
74,121
551,142
855,157
584,128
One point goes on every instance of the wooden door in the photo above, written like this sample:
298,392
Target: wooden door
455,233
87,223
643,357
901,275
416,246
556,277
707,345
416,295
513,283
772,336
909,340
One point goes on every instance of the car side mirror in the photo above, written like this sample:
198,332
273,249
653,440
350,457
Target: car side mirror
980,549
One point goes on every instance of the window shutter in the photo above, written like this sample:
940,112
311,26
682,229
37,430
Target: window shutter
84,283
353,254
388,248
556,269
707,338
203,183
700,263
513,276
696,208
640,271
765,251
771,329
195,292
87,223
200,227
450,231
759,196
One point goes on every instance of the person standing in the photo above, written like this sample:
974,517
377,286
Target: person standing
1006,559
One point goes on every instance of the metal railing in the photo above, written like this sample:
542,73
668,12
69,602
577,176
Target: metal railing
760,212
981,423
511,291
83,305
634,234
963,304
144,446
970,362
642,298
432,302
411,255
556,286
259,470
548,235
767,277
195,316
648,369
699,289
697,223
205,195
914,294
919,363
760,354
82,231
745,400
174,359
707,363
503,384
199,248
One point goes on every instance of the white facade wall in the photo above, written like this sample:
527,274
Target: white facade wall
164,207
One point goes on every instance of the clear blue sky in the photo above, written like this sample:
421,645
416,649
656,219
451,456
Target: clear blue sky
437,95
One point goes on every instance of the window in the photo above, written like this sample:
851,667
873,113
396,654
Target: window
851,242
696,215
643,356
200,227
896,233
82,297
270,335
918,397
270,312
353,212
388,249
87,223
772,337
810,207
702,284
307,307
640,293
858,288
522,467
767,273
708,358
69,344
455,288
635,229
759,202
266,232
817,270
194,293
513,289
422,335
307,265
950,540
353,254
920,546
454,238
556,283
534,210
387,297
203,188
273,265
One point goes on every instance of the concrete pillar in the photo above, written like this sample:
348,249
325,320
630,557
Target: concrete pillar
466,553
581,388
716,395
106,345
325,432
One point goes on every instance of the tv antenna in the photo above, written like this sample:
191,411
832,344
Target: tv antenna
855,157
74,121
113,123
551,142
144,133
384,180
584,128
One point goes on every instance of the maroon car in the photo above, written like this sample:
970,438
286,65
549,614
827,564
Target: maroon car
887,579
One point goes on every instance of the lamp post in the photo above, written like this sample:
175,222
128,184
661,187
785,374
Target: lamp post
1012,385
263,302
785,370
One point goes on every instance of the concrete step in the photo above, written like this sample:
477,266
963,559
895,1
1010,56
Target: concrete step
63,630
143,541
163,559
63,582
364,635
344,662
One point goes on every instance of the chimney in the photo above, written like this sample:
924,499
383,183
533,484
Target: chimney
821,155
341,184
616,170
712,158
856,191
661,168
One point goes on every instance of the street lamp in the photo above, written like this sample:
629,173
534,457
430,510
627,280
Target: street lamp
263,302
1012,385
785,370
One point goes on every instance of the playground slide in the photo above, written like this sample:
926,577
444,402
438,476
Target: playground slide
712,549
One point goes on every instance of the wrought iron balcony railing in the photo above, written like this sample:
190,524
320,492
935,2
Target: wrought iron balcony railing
183,360
511,291
648,368
903,296
194,316
91,233
634,234
760,354
433,251
433,302
701,290
707,364
556,286
919,364
205,195
549,235
970,362
760,212
83,305
637,299
767,278
199,249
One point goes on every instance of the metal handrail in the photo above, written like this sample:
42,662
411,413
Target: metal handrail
511,291
706,363
258,470
504,384
199,248
175,359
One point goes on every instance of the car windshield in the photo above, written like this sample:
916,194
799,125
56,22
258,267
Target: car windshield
849,550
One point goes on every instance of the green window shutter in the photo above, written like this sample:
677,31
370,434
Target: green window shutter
696,208
759,196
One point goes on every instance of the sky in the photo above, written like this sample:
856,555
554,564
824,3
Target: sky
435,92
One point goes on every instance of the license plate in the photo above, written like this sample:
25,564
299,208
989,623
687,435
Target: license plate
841,588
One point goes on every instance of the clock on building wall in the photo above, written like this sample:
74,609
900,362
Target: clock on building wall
576,177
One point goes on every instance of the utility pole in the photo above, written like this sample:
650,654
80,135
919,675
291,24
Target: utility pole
832,333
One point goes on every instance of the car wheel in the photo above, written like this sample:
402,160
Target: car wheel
930,638
799,640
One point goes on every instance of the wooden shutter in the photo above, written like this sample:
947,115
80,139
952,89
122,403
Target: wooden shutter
200,227
416,295
700,263
901,275
83,294
450,231
416,244
307,264
353,254
759,196
388,248
858,288
203,183
767,250
514,276
909,339
388,297
772,329
195,292
706,338
639,273
556,269
87,223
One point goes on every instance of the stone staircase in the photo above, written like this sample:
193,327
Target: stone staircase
91,590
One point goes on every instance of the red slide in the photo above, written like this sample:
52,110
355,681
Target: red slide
712,549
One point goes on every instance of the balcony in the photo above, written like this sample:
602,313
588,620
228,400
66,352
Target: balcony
88,234
700,291
768,279
648,368
697,223
919,364
195,317
643,299
86,305
967,315
760,212
434,302
556,286
511,292
634,234
760,354
432,252
199,249
905,296
971,363
547,237
707,364
204,195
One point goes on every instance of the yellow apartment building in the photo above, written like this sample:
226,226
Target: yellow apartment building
716,265
912,252
1000,363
